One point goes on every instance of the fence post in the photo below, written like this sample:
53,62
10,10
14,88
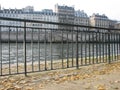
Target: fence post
24,45
109,60
77,53
0,51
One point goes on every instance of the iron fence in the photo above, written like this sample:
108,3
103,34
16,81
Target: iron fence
28,46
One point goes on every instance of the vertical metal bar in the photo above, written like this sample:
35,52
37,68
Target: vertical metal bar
81,48
9,50
77,56
17,48
24,45
85,48
39,49
109,48
106,46
67,49
1,50
45,41
97,47
100,47
32,49
117,46
72,49
93,42
112,45
62,48
103,40
89,48
51,49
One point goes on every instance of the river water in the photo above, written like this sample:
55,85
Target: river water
14,53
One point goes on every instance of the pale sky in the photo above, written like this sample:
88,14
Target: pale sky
107,7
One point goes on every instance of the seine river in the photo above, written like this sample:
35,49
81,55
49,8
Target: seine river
13,53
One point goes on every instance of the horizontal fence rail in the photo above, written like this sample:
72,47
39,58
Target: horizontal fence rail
28,46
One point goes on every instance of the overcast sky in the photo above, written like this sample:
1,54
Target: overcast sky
107,7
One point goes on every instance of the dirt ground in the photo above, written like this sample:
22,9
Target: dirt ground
93,77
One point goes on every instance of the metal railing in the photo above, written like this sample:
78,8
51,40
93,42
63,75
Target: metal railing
28,46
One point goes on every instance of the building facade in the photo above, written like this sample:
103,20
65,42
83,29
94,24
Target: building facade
102,21
117,25
29,13
65,15
112,23
97,20
81,18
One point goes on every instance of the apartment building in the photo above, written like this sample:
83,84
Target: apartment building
112,23
29,13
103,21
81,18
117,25
62,14
99,20
65,15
